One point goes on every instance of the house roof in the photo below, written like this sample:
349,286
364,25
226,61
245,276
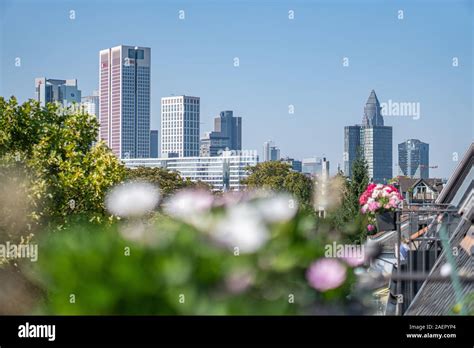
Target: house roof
406,183
460,173
439,297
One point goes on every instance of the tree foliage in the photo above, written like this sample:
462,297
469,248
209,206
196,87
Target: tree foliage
347,217
357,184
67,173
278,176
168,181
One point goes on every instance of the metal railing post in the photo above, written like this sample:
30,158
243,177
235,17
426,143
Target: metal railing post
399,236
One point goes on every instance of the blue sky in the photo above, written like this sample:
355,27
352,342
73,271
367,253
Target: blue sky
282,62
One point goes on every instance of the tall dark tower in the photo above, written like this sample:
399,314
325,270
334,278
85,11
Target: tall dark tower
372,112
227,135
373,140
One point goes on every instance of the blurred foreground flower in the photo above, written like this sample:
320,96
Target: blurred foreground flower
139,232
278,208
132,199
242,227
189,202
234,220
355,261
239,281
191,206
326,274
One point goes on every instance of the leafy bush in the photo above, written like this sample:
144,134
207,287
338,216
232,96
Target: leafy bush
191,259
66,173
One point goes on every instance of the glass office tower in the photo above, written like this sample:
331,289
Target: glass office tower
125,100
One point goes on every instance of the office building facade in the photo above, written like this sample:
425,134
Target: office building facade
227,135
351,147
270,152
180,125
90,104
124,111
315,166
64,92
294,164
413,159
154,144
224,172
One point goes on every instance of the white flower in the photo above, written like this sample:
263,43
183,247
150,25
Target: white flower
191,206
139,232
242,227
132,199
277,208
189,202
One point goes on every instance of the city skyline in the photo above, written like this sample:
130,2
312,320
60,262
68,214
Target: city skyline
400,62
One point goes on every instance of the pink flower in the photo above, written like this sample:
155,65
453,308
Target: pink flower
370,227
373,206
326,274
378,196
355,260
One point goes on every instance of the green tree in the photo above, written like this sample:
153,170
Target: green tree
168,181
357,184
68,174
347,217
278,176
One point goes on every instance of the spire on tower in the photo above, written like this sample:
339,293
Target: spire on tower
372,111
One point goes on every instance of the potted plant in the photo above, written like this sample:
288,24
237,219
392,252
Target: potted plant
379,203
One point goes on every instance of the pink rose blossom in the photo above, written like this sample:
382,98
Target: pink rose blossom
379,196
326,274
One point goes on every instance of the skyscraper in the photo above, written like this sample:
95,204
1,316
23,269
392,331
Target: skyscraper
227,135
351,147
125,100
54,90
154,144
274,153
413,159
372,140
270,152
90,104
180,124
294,164
316,166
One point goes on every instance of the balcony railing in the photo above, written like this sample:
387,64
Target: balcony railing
423,232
